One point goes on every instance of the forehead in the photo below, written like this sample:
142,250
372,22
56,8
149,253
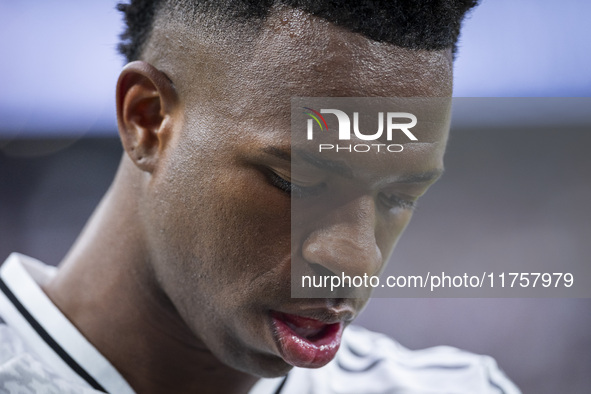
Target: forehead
291,54
313,55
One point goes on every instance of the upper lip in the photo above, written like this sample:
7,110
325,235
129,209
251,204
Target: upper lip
324,315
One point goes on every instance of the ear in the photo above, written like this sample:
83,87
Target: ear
146,102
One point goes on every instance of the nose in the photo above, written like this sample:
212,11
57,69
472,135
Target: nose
345,240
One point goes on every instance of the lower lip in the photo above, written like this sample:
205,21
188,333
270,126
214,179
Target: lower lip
301,351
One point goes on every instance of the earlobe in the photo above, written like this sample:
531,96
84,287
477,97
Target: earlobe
146,101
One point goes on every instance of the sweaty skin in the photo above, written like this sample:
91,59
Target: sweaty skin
178,272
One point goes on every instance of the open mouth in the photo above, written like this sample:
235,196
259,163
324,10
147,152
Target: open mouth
305,342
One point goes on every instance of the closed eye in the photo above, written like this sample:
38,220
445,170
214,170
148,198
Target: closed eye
393,201
292,188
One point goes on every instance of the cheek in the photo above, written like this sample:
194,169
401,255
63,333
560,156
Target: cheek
390,230
218,227
221,252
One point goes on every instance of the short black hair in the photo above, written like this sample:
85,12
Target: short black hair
414,24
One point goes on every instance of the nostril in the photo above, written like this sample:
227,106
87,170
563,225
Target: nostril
335,255
321,270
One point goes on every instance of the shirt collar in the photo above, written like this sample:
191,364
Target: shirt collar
26,308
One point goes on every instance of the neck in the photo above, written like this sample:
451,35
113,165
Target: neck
106,288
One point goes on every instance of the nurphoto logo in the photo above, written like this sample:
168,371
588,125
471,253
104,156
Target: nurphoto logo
395,122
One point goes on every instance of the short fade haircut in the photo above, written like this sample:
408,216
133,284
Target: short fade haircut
413,24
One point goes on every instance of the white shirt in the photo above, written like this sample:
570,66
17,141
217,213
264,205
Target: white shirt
42,352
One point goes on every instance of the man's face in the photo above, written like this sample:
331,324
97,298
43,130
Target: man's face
216,217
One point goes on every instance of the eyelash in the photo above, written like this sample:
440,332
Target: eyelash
296,191
292,189
394,201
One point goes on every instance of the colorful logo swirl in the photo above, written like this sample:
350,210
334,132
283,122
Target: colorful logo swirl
317,117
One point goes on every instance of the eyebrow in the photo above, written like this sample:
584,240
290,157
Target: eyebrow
345,171
427,176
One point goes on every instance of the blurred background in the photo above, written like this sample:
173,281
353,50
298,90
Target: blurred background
517,183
